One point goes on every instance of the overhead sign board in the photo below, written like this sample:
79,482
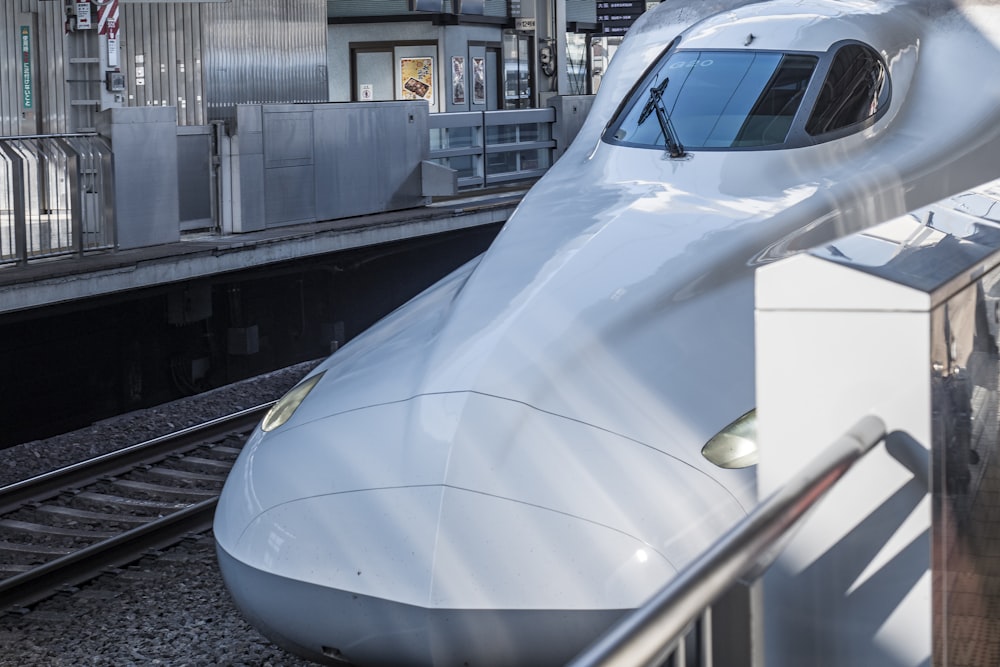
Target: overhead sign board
617,16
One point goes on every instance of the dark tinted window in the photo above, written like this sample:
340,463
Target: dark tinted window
854,90
719,99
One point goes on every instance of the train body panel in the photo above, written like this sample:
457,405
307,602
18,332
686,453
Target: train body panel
516,454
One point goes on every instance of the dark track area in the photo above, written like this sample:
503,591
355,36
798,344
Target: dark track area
68,366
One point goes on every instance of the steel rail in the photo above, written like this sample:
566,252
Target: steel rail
647,635
45,580
81,565
51,483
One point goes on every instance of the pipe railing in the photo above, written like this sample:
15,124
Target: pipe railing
55,196
647,635
493,147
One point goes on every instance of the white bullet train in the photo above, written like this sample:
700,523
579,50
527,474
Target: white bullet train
496,471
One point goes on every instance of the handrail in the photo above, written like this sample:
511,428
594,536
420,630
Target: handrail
483,161
64,135
646,635
58,190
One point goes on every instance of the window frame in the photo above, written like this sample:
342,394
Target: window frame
797,136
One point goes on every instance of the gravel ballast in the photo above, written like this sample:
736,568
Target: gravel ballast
166,609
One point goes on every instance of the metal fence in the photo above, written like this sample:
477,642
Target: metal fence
493,147
55,196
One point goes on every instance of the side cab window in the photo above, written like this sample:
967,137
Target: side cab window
856,89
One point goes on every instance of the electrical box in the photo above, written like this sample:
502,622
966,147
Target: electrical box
114,81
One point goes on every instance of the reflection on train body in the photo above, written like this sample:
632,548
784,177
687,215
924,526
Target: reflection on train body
966,479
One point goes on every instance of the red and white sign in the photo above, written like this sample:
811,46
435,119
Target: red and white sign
107,19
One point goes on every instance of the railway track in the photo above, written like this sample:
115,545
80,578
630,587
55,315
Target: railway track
70,525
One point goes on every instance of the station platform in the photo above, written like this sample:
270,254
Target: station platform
58,280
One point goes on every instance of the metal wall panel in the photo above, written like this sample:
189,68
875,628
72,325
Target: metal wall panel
54,95
45,19
162,58
352,8
338,8
10,73
263,51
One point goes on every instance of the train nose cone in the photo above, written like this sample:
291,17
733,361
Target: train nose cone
452,528
434,575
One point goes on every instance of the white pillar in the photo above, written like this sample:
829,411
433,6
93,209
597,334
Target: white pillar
899,321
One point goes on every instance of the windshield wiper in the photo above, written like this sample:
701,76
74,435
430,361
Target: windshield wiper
655,103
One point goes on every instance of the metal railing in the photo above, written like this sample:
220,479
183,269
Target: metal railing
55,196
493,147
650,634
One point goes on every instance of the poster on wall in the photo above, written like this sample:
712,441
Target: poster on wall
416,76
457,80
479,80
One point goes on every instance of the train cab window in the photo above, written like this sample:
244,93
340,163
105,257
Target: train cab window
716,100
855,89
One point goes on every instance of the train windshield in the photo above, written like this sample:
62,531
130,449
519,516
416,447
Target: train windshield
716,100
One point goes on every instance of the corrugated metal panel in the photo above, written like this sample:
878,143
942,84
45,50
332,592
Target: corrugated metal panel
496,8
11,19
162,58
45,20
263,51
338,8
350,8
52,51
10,79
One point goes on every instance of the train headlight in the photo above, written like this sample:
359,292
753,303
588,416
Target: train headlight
283,410
736,445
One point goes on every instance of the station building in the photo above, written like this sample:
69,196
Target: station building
64,61
230,115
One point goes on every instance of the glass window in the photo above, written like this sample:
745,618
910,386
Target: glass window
717,99
854,90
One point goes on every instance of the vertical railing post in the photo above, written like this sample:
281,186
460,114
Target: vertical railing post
109,207
483,156
18,202
76,201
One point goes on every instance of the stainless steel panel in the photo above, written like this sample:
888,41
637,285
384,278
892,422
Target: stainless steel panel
288,137
145,174
248,147
368,157
54,112
10,72
290,195
194,177
15,119
344,8
263,51
162,58
965,374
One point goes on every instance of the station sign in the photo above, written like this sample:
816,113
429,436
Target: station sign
27,90
617,16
